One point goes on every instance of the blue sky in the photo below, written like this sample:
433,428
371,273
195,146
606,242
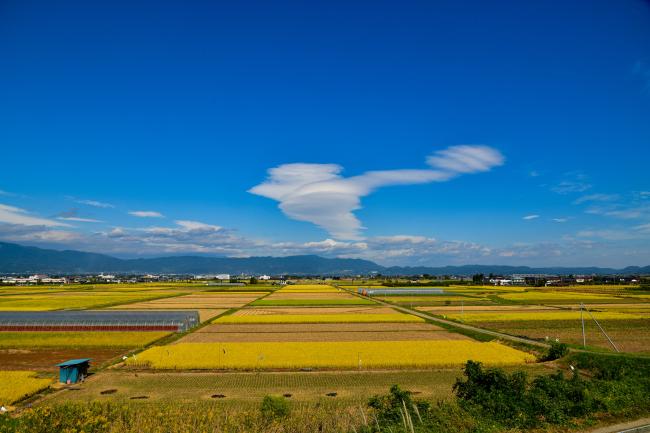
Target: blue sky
180,109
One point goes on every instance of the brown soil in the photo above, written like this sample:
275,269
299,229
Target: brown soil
46,359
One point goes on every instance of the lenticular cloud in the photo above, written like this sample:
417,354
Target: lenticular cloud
319,194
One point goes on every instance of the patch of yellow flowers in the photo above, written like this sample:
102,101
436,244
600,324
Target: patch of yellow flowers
355,354
14,385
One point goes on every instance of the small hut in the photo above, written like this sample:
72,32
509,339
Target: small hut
74,370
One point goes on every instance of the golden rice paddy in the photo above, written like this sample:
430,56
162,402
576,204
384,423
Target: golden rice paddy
16,385
309,288
42,339
358,354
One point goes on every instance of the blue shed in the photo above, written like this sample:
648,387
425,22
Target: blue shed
74,370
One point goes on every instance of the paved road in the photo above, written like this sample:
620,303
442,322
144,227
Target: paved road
638,426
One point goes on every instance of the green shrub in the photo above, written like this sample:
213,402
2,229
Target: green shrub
556,351
274,407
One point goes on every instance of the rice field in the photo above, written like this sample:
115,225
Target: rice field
74,300
309,288
194,301
16,385
485,308
319,318
310,302
557,297
344,355
221,333
45,339
536,316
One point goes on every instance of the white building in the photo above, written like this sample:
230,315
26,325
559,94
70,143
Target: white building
264,277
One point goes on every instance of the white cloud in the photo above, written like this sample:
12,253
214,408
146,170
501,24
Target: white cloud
569,186
14,215
530,217
79,219
597,198
319,194
95,203
146,214
607,234
560,220
196,225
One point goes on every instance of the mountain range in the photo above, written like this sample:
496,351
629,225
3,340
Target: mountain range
19,259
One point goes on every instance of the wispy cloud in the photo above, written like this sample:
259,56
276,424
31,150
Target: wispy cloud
531,217
560,220
79,219
94,203
146,214
319,194
14,215
6,193
596,198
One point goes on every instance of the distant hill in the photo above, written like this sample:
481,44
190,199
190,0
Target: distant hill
16,258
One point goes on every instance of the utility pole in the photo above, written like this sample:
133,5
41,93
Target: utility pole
582,319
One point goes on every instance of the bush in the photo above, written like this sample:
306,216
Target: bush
556,351
274,407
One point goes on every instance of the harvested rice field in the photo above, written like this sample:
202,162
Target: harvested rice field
486,308
317,315
309,295
554,297
45,359
629,335
319,332
319,318
252,387
345,355
311,302
257,311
